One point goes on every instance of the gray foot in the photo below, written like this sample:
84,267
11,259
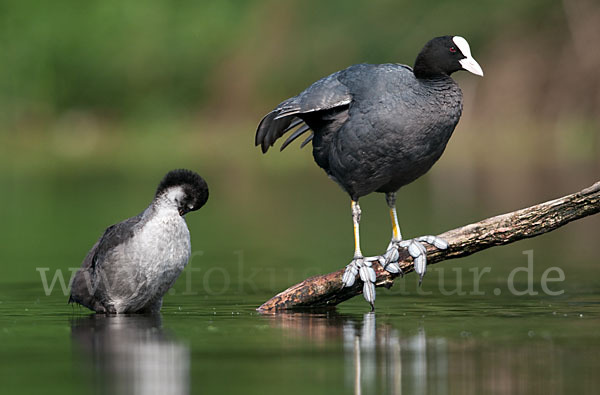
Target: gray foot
362,266
416,249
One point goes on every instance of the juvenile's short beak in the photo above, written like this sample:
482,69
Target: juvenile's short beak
471,65
181,212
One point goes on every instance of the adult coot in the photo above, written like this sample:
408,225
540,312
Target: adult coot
376,128
136,261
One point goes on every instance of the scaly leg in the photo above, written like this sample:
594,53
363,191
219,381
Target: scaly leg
391,256
359,264
415,246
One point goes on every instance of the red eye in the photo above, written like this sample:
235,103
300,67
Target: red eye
452,49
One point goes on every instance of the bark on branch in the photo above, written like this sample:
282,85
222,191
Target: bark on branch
326,290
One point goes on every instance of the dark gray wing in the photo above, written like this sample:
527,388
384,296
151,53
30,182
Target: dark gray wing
84,280
325,94
113,236
82,285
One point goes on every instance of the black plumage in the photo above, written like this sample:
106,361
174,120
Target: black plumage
376,128
194,187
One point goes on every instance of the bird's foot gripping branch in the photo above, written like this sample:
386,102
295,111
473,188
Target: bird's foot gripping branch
328,290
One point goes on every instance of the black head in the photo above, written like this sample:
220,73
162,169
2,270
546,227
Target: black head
195,189
443,56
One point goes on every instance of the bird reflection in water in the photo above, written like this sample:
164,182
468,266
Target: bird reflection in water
131,354
381,358
377,359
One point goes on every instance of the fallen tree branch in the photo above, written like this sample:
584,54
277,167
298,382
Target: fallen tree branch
326,290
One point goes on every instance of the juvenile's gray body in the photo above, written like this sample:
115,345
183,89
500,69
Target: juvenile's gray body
135,262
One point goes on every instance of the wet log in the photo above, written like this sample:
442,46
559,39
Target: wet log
326,290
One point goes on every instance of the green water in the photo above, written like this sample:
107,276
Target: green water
410,345
463,332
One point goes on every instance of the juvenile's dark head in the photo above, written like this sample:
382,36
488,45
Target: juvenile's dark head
445,55
185,188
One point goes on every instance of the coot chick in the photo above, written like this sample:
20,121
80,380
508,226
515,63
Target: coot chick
136,261
376,128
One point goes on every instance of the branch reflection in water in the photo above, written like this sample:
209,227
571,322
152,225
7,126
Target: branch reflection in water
380,359
132,354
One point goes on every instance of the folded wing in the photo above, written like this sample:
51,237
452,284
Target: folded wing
325,94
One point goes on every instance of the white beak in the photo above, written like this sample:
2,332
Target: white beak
468,63
471,65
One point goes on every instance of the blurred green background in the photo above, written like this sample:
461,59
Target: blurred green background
98,100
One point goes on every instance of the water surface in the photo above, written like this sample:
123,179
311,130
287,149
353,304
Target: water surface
464,332
411,344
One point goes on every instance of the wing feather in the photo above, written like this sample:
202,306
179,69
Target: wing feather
308,140
299,132
325,94
112,236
